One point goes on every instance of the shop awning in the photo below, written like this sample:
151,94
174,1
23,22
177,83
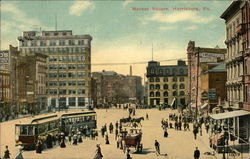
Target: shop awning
231,114
204,106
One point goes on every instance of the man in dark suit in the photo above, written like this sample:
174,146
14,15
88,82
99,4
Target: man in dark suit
196,153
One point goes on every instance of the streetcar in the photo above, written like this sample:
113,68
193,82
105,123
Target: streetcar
84,122
33,129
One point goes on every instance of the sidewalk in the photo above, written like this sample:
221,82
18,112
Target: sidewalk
205,139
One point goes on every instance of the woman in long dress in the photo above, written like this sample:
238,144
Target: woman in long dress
98,154
19,151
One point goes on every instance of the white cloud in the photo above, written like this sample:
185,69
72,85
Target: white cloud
17,22
167,27
126,2
79,6
181,16
192,27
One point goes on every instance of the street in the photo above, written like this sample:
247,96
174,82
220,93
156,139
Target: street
179,144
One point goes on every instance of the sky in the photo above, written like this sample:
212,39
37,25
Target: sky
125,31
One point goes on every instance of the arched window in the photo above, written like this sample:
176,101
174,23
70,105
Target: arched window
182,93
165,94
165,86
174,93
174,86
181,79
157,86
151,94
174,79
165,79
157,79
151,79
152,87
182,86
160,72
167,71
181,71
158,94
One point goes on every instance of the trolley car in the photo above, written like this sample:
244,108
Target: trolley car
33,129
80,121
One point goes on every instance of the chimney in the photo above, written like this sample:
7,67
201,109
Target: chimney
130,73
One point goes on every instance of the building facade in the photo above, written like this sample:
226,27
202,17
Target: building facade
68,65
244,29
114,88
198,57
31,82
167,84
213,85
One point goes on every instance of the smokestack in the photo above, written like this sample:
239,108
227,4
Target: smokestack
130,71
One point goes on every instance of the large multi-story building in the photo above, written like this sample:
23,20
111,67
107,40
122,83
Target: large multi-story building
167,84
68,72
198,57
236,18
244,29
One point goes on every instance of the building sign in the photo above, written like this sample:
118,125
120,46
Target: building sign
4,59
212,94
210,57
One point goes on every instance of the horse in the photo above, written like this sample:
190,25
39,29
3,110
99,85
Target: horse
138,120
125,120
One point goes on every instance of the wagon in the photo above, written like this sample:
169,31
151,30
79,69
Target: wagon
133,140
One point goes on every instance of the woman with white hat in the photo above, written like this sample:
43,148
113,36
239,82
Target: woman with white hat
19,150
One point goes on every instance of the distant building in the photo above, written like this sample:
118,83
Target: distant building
198,57
167,84
68,65
113,88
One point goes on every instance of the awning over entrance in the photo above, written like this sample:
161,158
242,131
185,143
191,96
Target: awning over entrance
230,114
204,106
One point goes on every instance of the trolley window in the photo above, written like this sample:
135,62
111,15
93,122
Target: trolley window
26,130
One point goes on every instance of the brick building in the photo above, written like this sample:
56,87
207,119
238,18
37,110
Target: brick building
198,57
31,81
213,85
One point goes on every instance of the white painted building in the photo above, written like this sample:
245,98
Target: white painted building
68,74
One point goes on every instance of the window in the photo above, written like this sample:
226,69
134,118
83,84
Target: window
160,72
167,71
72,91
151,94
182,86
81,91
181,79
61,42
165,86
157,79
174,86
62,91
182,93
72,101
80,42
174,79
71,42
80,74
157,86
158,94
81,83
181,71
151,79
81,101
165,94
174,93
80,67
152,87
165,79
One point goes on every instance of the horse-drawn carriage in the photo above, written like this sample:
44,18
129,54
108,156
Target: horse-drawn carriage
133,139
134,122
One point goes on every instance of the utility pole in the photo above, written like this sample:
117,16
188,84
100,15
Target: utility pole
197,83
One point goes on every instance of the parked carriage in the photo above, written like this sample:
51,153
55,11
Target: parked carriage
133,140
